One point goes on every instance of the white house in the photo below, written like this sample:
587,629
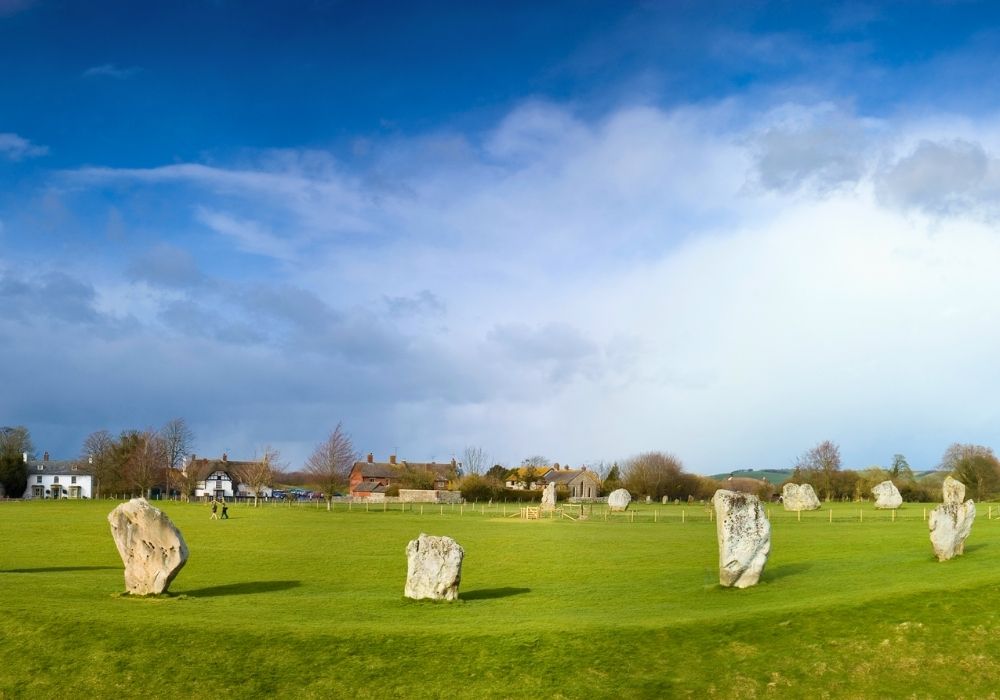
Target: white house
218,484
65,478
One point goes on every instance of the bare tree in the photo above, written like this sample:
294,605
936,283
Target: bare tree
143,455
177,438
474,460
330,463
823,461
975,466
98,454
658,474
259,474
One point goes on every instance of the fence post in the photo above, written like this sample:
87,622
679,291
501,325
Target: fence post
421,508
861,515
831,515
893,515
799,514
655,513
682,515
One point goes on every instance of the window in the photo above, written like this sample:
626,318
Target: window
72,480
55,480
38,479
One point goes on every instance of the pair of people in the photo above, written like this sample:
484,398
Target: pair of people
215,508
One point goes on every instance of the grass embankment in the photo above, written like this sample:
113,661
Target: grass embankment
305,603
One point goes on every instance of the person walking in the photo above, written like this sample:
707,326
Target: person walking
225,511
215,508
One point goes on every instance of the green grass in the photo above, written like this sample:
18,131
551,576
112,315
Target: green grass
299,602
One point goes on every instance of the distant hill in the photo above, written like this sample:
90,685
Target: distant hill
774,476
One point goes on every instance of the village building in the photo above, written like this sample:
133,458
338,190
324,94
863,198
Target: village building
369,478
222,478
577,483
527,478
66,478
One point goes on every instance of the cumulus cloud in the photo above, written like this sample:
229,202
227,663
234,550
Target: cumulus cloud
589,287
14,147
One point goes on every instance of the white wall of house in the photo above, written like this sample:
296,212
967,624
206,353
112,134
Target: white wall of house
245,490
59,486
218,484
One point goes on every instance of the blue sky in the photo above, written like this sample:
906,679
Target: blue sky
579,229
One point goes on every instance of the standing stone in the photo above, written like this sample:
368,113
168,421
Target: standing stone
433,568
950,525
887,496
953,491
744,534
619,500
549,497
951,522
151,548
799,497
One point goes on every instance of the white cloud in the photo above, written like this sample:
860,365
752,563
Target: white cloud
110,70
729,285
14,147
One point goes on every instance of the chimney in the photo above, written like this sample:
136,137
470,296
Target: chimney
225,457
392,459
371,458
45,457
583,469
556,466
454,464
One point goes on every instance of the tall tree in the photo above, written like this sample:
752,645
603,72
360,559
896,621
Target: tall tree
260,473
657,474
330,463
474,460
98,453
142,455
823,461
178,439
15,442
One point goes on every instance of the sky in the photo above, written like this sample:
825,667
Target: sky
583,230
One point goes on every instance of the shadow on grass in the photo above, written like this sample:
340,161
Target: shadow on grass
57,569
785,570
975,547
492,593
245,588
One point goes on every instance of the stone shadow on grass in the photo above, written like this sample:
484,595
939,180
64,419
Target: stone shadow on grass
492,593
244,588
57,569
773,573
975,547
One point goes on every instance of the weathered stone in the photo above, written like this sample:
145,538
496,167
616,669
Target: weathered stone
549,497
151,548
950,525
433,568
953,491
887,496
799,497
744,534
619,499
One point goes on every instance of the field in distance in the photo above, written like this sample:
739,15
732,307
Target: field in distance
295,601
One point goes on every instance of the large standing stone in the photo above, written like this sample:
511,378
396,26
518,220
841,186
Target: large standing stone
953,491
887,496
950,525
433,568
619,500
152,549
799,497
549,497
744,534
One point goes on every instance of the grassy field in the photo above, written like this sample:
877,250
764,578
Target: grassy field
300,602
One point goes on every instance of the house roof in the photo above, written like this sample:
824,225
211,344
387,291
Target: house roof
539,472
205,466
59,467
370,487
566,476
387,470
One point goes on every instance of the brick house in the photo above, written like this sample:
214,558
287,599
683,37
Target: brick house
369,477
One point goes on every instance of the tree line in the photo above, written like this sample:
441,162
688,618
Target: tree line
137,462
